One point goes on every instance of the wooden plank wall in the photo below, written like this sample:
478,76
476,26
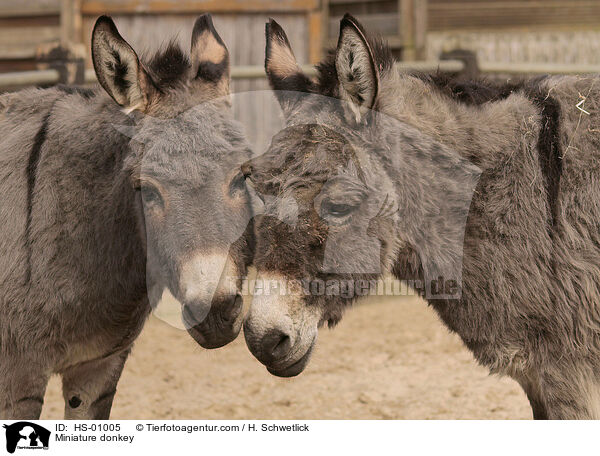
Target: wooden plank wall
23,26
526,31
380,15
497,14
405,24
469,14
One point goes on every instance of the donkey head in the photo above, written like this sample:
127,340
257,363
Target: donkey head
185,151
328,216
342,195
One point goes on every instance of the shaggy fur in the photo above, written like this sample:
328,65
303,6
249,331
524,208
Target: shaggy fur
88,244
509,174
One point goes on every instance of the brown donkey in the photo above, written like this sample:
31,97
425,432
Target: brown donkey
488,197
97,222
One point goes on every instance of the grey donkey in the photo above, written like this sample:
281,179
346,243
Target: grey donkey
486,197
108,197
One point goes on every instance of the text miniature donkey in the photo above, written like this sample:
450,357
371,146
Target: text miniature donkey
512,170
96,224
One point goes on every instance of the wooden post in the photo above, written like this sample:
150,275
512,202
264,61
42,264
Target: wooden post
315,36
324,26
67,56
70,22
413,28
406,28
420,28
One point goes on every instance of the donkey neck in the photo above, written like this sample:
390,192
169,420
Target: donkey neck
440,147
85,156
434,187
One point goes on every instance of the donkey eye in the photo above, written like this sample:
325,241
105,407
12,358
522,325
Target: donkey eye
151,196
337,210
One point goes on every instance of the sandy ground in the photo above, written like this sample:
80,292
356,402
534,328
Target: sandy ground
389,358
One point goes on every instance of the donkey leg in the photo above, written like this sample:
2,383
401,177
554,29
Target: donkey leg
538,407
571,393
22,390
89,388
531,386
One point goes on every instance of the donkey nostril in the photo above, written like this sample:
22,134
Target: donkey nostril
283,344
276,344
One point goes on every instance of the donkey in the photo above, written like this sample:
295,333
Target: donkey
109,196
494,188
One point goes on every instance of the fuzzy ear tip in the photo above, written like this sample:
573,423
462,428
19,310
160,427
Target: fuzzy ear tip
274,30
348,21
104,23
204,22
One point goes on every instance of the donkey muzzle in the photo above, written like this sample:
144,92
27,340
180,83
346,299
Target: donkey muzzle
281,332
220,326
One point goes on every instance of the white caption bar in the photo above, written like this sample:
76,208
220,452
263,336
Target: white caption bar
297,437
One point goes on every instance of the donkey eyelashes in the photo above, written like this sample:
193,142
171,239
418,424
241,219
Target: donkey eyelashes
337,213
338,204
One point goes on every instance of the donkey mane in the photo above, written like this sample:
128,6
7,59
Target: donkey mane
169,65
75,90
472,91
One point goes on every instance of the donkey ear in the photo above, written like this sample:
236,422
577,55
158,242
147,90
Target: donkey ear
210,57
282,69
356,69
118,68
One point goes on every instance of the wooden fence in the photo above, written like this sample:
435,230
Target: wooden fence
527,36
31,34
28,32
409,25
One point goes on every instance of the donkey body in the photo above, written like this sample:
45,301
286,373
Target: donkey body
85,246
508,173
